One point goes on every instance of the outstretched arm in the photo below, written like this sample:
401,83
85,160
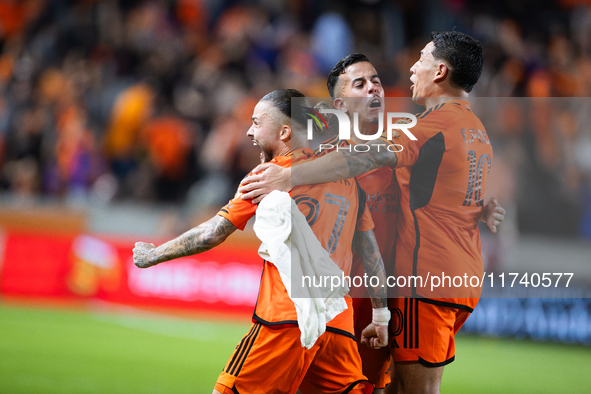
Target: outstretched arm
331,167
197,240
375,335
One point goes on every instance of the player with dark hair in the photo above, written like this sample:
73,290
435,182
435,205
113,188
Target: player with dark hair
442,177
463,54
354,85
270,357
341,67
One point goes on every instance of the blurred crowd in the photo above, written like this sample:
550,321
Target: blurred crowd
104,100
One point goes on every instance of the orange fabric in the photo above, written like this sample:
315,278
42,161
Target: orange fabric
12,18
223,389
130,112
424,332
332,211
442,177
383,200
330,366
168,140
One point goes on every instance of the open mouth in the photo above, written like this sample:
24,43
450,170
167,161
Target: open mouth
375,103
262,154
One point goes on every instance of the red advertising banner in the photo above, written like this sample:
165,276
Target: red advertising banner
225,279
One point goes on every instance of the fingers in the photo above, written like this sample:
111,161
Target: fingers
255,196
256,177
376,343
375,337
140,254
249,182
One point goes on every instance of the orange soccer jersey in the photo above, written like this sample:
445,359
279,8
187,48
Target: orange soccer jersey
334,214
382,195
442,177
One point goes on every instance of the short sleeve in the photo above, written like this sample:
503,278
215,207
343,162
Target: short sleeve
238,211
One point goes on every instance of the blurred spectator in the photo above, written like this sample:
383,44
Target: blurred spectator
150,100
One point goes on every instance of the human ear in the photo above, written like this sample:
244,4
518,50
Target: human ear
340,104
441,72
285,133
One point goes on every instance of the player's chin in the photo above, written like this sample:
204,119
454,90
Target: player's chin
374,120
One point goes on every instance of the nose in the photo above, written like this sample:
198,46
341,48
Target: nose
250,132
412,69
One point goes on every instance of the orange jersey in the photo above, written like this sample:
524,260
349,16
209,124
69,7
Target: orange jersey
334,214
442,177
382,195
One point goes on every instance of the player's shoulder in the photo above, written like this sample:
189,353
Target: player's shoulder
446,109
444,115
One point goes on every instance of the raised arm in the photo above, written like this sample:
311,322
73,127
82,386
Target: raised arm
197,240
375,335
331,167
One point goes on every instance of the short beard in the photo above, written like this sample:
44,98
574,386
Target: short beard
267,156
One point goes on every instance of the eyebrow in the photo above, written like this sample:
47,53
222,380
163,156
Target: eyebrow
362,78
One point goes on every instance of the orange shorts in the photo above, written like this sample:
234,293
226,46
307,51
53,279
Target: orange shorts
271,359
424,332
375,362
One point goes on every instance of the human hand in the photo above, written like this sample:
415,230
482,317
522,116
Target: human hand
141,254
493,214
375,336
266,178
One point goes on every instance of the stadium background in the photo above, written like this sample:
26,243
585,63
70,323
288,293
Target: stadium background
125,120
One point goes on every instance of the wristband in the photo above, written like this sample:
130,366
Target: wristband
381,316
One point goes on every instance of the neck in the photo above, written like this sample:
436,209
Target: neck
297,141
284,151
444,97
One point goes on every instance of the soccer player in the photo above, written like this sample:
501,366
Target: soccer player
442,177
270,358
354,82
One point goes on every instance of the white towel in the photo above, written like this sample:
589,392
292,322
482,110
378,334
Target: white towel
290,244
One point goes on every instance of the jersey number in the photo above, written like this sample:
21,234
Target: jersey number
475,178
314,207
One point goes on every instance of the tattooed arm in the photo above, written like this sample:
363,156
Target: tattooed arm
197,240
366,246
328,168
375,335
